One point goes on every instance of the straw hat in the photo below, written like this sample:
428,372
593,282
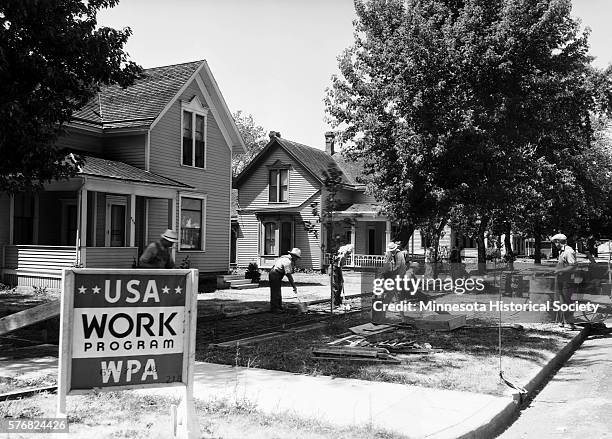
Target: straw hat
170,235
392,246
559,237
295,252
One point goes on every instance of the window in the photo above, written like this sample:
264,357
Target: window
270,239
278,238
23,217
279,186
194,134
192,221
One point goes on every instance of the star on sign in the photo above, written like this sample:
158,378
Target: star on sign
165,289
96,290
82,290
178,290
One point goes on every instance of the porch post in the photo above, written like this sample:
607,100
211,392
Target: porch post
132,220
172,202
387,233
82,230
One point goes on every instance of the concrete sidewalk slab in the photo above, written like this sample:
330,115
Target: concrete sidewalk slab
416,412
411,410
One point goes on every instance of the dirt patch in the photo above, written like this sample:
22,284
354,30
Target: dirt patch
469,360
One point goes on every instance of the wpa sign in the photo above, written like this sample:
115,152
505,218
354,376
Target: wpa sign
127,328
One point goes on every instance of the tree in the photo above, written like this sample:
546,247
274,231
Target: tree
53,59
467,107
254,137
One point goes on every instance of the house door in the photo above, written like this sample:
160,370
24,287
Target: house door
372,241
286,237
116,209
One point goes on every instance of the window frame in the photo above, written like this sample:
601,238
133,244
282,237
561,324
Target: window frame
203,198
278,223
195,108
278,170
116,200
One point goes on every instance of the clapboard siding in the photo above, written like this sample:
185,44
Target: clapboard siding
214,182
34,260
253,191
305,241
81,142
158,218
247,244
110,257
127,149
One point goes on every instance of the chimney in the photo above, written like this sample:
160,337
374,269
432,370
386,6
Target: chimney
274,134
329,142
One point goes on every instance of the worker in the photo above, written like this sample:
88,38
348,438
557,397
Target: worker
394,265
566,265
158,254
283,266
337,276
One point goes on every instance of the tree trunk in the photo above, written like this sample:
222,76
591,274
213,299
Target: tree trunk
508,246
436,244
404,234
537,235
480,240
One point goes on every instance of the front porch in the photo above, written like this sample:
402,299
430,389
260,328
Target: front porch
102,219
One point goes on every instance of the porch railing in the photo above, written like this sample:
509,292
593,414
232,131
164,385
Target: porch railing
41,260
361,261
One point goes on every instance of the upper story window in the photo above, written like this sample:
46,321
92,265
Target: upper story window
194,117
278,191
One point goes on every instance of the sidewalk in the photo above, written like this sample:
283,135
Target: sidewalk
577,402
410,410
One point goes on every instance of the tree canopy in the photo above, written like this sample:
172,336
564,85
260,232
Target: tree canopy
254,136
53,59
469,111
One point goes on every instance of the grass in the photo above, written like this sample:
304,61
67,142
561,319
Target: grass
469,361
138,415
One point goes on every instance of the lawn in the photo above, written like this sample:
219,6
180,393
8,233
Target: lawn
140,415
469,360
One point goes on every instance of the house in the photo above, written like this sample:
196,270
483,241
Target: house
157,155
282,190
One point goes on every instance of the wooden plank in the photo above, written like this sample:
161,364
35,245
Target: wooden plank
440,322
30,316
350,351
30,391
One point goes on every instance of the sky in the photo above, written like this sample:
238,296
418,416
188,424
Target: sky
274,58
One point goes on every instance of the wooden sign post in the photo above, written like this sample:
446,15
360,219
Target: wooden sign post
129,329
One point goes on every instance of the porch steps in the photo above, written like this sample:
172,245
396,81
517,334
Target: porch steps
234,281
244,286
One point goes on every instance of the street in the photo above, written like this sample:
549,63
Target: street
577,402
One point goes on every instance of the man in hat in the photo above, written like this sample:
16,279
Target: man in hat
283,266
394,265
337,276
566,265
157,254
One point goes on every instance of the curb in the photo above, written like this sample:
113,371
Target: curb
504,418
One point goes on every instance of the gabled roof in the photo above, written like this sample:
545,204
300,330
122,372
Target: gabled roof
144,102
313,160
117,107
98,167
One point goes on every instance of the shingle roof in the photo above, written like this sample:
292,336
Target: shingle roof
362,208
122,171
140,103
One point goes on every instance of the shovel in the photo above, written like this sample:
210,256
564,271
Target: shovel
301,307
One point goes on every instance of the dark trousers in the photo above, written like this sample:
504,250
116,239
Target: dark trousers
276,297
338,280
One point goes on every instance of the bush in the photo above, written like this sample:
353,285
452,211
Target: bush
253,272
